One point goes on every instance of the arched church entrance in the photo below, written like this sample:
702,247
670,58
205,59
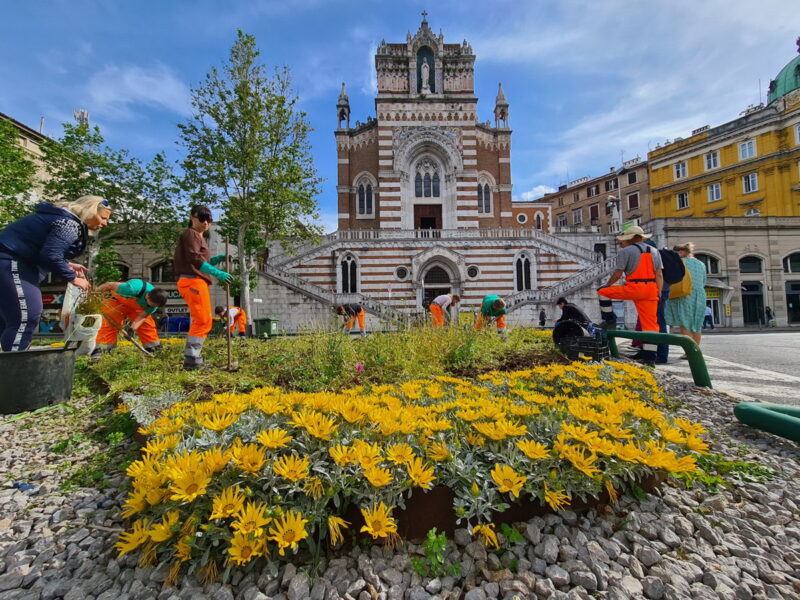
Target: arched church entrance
435,282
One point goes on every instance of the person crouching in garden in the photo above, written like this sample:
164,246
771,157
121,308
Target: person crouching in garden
493,308
237,318
135,300
440,309
37,244
193,265
351,312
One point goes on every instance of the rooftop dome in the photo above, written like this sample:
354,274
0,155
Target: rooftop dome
787,80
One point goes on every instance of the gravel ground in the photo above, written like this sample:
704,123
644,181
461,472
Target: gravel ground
739,544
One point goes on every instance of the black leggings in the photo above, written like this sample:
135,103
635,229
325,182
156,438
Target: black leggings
20,304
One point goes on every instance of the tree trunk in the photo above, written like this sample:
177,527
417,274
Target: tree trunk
244,272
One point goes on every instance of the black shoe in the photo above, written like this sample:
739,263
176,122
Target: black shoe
661,361
645,362
606,325
635,356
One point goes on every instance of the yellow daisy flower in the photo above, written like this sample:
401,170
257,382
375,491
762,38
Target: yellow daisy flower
249,458
130,540
228,503
245,548
161,532
507,479
533,450
487,535
335,526
378,521
556,499
399,453
421,475
251,519
288,531
291,467
378,476
274,438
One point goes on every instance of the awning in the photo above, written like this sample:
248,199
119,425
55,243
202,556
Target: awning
717,283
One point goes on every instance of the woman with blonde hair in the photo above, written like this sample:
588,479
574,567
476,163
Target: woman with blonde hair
35,245
688,312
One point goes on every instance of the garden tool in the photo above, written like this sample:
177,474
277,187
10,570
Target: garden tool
232,365
129,337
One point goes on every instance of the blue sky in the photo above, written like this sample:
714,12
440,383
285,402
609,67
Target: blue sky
589,81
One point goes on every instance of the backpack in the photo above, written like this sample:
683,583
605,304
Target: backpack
674,269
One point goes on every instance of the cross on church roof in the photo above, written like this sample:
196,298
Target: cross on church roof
424,16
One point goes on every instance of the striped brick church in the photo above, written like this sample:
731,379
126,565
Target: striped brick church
425,207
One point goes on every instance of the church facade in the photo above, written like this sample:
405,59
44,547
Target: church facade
425,207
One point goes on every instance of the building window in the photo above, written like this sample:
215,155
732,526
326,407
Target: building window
791,264
680,170
594,212
473,272
712,160
593,190
711,263
522,273
436,275
538,221
577,216
750,264
162,273
631,177
426,179
365,203
522,218
609,208
401,273
612,184
750,183
797,134
633,201
484,199
426,184
747,149
714,192
576,196
561,220
683,200
418,186
561,200
349,275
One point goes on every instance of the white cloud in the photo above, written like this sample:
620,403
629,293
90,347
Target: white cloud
115,91
329,221
535,192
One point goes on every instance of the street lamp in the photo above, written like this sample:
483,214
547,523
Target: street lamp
615,205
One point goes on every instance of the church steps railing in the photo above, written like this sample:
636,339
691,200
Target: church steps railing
375,235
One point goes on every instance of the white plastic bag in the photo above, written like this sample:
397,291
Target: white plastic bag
72,298
77,327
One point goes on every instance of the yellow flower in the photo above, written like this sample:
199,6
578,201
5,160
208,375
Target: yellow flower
473,439
533,450
131,540
612,492
217,420
672,435
475,490
420,474
245,548
288,531
438,451
367,455
400,454
215,459
487,534
183,550
228,503
378,521
274,438
556,499
378,476
315,424
314,488
135,503
157,447
166,528
188,486
335,525
581,459
342,455
508,480
249,458
251,519
291,467
696,444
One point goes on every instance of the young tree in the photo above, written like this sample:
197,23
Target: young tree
16,175
247,152
144,196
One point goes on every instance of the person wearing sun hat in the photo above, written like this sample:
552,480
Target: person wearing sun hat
641,266
194,266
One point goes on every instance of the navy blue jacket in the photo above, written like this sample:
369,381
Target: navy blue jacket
45,239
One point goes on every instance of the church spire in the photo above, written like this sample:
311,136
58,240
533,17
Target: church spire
501,109
343,109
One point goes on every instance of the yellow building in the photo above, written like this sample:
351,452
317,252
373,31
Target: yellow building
747,167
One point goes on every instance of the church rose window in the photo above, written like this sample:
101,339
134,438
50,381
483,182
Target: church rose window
472,271
401,272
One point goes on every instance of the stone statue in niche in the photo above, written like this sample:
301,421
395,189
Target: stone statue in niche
426,76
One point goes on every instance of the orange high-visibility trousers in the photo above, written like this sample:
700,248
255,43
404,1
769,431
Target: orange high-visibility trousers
115,310
481,321
195,292
352,320
437,315
239,321
644,296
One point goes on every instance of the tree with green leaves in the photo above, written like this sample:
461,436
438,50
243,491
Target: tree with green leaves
16,175
247,153
144,196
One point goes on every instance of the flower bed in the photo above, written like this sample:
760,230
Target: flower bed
242,476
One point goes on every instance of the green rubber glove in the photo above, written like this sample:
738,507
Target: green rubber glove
215,260
222,276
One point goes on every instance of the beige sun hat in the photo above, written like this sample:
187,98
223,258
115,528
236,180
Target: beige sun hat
632,232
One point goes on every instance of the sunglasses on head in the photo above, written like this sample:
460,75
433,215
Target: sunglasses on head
105,203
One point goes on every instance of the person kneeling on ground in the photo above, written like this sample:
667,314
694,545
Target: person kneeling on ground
135,300
440,309
237,319
351,312
493,308
570,312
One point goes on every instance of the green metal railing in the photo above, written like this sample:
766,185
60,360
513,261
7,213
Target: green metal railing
696,361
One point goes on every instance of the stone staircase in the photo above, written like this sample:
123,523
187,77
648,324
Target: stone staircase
377,237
